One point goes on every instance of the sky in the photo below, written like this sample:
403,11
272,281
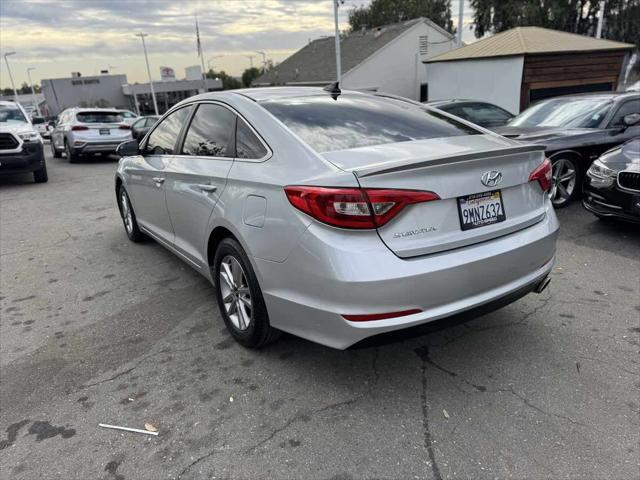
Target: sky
58,37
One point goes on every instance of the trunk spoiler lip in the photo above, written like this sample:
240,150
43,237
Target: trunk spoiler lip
409,164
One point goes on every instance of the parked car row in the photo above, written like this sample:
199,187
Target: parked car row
574,130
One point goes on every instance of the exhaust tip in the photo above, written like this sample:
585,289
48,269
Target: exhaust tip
544,283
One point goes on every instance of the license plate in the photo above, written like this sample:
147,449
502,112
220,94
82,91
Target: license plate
105,131
481,209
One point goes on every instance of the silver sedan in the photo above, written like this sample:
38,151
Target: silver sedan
336,216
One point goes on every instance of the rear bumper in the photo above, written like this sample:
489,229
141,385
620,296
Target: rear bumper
96,147
326,277
30,159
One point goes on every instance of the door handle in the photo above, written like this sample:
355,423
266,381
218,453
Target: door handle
158,180
207,188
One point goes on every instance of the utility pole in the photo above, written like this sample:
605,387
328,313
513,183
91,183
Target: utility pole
337,33
264,60
600,19
146,59
460,21
15,92
33,92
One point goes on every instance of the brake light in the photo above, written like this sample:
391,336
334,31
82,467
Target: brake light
380,316
75,128
358,208
124,127
543,174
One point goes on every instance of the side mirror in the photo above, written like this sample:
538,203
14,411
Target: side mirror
128,148
631,119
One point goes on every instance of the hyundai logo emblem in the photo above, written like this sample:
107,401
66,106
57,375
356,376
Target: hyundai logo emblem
491,179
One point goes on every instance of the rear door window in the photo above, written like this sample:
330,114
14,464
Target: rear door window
211,132
352,121
248,146
164,137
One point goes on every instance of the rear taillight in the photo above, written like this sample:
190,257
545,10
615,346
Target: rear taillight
75,128
124,127
360,208
543,174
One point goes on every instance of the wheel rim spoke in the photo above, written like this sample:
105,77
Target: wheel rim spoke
235,293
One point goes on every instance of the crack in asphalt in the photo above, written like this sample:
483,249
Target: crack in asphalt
428,439
297,417
510,389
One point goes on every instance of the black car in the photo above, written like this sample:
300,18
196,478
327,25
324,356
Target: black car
142,125
576,130
612,184
485,114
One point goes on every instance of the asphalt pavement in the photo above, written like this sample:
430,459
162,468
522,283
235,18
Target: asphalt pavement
96,329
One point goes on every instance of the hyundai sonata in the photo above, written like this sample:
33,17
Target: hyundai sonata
335,215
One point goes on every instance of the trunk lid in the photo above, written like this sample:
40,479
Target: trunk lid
452,168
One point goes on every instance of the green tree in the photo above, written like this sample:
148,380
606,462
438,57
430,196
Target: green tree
249,75
621,20
24,89
228,82
384,12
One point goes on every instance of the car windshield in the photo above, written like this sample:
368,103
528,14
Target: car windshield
10,113
99,117
564,112
353,121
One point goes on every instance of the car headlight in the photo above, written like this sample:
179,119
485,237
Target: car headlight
29,136
601,175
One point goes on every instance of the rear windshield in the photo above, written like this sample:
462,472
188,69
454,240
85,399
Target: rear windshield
99,117
353,121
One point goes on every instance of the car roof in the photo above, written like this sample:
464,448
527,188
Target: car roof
436,103
271,93
96,109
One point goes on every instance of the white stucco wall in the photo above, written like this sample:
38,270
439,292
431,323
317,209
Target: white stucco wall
396,68
494,80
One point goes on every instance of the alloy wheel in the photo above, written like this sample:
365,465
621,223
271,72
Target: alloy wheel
126,212
564,178
236,296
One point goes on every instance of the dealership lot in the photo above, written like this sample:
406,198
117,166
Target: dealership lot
96,329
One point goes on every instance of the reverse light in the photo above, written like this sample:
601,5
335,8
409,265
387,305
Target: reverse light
543,174
380,316
356,208
76,128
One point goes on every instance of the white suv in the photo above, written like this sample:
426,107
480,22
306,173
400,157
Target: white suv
81,131
21,148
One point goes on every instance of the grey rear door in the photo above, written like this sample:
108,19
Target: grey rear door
146,180
197,175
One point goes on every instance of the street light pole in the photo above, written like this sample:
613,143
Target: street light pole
33,92
146,59
15,92
337,33
250,57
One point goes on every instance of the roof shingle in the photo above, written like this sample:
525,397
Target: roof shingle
523,40
316,62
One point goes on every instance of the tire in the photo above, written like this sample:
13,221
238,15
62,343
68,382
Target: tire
41,176
54,151
128,216
245,315
566,181
71,156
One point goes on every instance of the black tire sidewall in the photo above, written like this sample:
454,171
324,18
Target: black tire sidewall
72,157
258,331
